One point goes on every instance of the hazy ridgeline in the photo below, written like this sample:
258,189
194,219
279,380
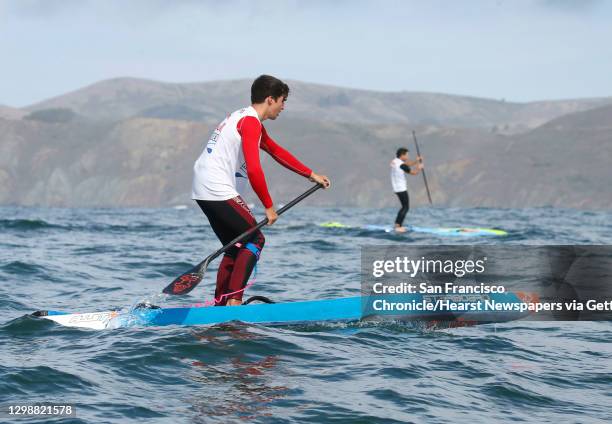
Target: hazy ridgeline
132,142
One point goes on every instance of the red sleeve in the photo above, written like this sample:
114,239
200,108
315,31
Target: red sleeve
282,156
250,128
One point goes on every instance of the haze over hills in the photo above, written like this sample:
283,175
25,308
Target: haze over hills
7,112
123,98
131,142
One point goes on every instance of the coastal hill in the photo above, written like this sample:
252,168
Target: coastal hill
131,142
7,112
124,98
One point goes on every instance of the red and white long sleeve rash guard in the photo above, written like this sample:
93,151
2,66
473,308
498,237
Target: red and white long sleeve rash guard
231,156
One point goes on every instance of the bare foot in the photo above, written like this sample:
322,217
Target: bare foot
234,302
400,229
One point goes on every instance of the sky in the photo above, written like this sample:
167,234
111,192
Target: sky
517,50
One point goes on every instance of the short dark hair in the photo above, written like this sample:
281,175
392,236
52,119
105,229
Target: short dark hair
401,151
267,85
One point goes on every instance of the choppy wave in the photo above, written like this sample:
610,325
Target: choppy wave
26,224
92,260
24,269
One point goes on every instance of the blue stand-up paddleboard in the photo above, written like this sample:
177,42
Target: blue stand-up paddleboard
347,309
439,231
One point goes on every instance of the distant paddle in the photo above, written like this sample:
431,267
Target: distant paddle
189,280
416,143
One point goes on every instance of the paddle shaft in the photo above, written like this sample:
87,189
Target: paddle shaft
186,282
416,143
258,226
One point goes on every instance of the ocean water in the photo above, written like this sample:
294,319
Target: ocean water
96,259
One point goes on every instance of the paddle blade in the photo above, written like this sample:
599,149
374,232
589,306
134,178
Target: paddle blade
183,284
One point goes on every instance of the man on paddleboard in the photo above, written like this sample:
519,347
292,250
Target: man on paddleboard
230,157
400,166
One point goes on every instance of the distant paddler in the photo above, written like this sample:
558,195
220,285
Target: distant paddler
400,166
230,158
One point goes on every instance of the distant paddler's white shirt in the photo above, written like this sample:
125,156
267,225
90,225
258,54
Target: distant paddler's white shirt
220,172
398,176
